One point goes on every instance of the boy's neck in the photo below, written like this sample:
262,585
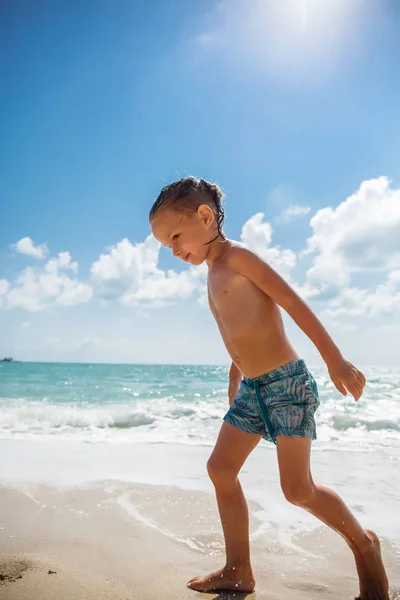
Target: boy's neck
217,248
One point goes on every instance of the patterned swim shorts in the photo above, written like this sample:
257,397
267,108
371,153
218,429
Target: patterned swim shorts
280,402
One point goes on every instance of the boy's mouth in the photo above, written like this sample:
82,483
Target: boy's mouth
186,258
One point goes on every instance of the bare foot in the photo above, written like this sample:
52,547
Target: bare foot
240,580
374,584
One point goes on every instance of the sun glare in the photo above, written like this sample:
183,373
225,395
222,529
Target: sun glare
303,33
290,36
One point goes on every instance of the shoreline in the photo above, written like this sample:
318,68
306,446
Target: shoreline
69,464
99,549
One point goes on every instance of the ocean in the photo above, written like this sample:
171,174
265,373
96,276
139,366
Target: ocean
74,424
181,404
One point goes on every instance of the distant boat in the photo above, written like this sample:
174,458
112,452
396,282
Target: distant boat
8,359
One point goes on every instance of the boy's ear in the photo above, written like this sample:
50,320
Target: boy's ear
206,214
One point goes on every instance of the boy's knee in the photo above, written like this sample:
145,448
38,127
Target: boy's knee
299,493
220,473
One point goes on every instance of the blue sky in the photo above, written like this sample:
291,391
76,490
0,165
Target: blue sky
289,105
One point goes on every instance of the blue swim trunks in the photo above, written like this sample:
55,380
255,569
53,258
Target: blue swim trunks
280,402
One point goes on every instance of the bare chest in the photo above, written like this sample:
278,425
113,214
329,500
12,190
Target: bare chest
229,292
223,285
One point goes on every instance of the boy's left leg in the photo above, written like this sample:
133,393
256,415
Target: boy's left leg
300,489
231,450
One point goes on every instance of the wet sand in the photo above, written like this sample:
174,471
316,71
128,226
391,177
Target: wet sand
126,541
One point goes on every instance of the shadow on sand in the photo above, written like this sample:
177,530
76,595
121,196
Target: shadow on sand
394,594
229,595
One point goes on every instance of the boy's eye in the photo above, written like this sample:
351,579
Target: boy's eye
175,237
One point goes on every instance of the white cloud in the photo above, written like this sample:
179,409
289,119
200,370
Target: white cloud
333,323
257,236
355,302
63,261
35,290
124,266
130,273
305,291
27,246
293,211
360,235
4,287
159,288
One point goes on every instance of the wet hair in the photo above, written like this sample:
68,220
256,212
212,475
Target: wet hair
188,194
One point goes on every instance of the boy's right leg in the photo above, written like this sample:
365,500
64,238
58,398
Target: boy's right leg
231,450
299,489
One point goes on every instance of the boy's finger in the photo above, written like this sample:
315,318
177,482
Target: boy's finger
355,391
340,387
361,379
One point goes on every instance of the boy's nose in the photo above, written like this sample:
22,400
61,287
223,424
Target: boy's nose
176,251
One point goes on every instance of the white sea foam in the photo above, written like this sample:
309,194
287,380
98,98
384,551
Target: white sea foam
177,405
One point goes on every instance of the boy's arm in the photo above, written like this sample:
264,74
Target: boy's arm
343,374
235,377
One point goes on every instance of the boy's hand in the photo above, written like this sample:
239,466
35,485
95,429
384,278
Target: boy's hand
233,387
346,377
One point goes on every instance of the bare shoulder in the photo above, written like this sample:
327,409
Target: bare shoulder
239,257
250,265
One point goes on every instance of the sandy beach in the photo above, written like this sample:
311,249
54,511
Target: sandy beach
124,540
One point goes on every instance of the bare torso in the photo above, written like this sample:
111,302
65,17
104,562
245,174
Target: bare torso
250,322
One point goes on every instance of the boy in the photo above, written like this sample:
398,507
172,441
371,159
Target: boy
271,392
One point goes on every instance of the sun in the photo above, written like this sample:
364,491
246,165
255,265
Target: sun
306,33
293,37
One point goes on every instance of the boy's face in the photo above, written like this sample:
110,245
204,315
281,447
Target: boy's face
186,234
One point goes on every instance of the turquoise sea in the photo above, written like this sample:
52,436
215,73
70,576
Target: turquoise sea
181,404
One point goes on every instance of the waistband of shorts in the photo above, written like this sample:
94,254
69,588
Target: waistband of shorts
290,369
